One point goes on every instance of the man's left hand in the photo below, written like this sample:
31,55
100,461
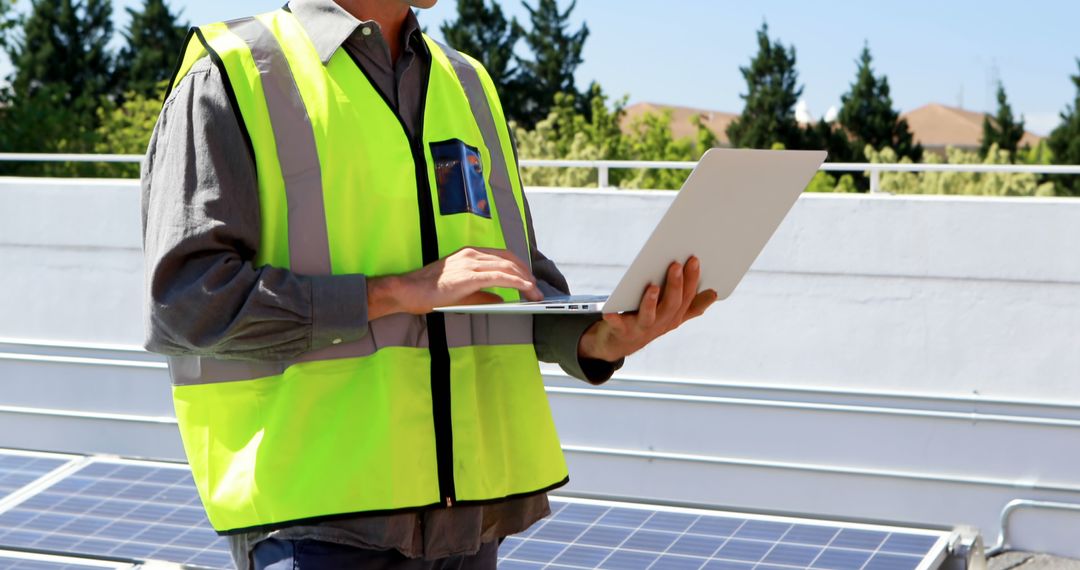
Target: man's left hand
660,312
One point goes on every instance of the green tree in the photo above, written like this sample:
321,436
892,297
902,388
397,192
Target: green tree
602,124
1064,141
566,133
1003,130
772,91
62,75
42,122
1040,154
556,55
126,129
65,43
705,138
482,31
829,137
868,117
650,138
569,133
7,22
153,39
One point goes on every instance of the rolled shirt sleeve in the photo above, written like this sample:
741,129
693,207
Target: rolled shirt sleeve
201,229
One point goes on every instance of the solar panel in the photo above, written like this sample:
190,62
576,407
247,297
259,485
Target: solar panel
18,470
122,509
151,511
597,534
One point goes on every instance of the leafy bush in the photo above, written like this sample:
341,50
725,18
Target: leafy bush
825,182
958,183
567,134
125,130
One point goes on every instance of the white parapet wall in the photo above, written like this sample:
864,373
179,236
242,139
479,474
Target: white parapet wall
897,358
962,296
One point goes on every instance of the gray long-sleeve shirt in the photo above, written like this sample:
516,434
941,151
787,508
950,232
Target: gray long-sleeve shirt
202,229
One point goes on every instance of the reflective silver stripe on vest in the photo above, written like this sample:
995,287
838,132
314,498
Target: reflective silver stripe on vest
397,330
309,245
309,240
513,229
503,327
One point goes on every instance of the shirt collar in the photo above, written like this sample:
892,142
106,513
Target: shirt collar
329,25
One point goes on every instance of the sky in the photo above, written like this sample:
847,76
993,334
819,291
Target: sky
688,52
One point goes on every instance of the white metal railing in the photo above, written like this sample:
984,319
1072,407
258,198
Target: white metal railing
1003,543
604,167
43,157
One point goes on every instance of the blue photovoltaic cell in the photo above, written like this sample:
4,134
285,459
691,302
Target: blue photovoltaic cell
587,535
17,471
132,511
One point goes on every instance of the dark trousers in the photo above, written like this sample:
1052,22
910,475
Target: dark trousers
273,554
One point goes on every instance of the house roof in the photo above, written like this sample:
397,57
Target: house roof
936,125
682,125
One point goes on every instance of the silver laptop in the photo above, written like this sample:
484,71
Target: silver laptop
725,213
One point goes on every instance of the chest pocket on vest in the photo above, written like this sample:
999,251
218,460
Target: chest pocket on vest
459,176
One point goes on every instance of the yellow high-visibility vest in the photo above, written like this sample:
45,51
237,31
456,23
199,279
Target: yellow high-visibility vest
423,411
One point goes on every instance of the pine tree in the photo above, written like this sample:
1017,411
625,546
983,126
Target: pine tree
1003,130
154,37
868,116
62,74
484,33
828,137
772,91
65,44
7,22
1064,141
556,56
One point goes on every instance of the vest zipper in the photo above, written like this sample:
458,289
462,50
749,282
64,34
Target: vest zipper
438,348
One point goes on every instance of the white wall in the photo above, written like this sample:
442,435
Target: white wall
933,295
72,260
896,358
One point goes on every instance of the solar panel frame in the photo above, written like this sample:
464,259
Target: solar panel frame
19,468
22,560
588,533
22,472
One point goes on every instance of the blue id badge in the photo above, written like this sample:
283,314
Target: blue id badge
459,176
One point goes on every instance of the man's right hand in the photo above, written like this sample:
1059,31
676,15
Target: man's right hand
458,279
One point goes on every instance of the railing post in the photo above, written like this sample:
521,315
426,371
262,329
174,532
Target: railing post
875,181
603,176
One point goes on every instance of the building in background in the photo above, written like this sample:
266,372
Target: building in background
682,119
934,125
938,126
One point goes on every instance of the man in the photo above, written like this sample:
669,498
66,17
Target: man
321,177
